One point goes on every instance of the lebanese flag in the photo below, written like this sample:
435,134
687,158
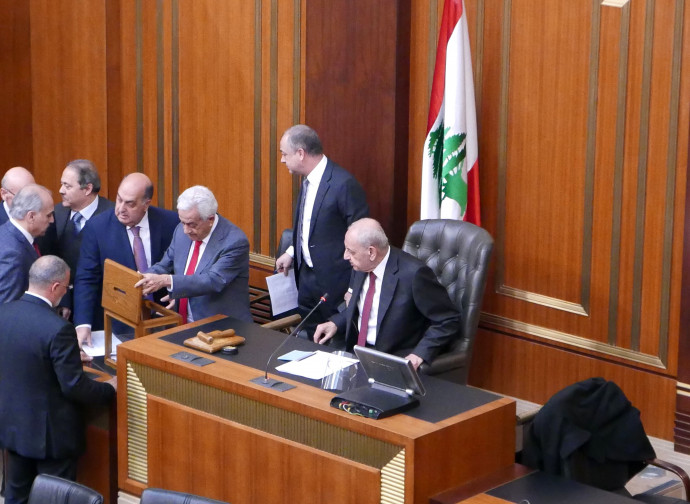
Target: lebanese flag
450,183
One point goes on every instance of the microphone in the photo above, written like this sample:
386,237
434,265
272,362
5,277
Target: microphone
265,381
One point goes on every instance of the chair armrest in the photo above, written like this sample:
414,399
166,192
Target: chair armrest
283,323
678,471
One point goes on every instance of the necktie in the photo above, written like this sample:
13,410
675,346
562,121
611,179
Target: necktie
76,222
302,200
138,249
366,310
184,302
36,249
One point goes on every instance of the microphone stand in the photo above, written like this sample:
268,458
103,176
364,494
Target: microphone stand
264,380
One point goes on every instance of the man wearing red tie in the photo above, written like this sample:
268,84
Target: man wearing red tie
30,215
206,267
397,304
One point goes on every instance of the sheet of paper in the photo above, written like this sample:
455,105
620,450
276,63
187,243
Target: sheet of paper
295,355
283,292
98,348
316,366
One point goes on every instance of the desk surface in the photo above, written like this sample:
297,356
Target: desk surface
442,400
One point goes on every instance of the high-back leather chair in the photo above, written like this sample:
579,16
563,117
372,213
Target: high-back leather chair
458,253
160,496
53,490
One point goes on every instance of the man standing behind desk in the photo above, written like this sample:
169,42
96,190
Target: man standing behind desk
330,200
13,181
135,235
42,383
30,215
79,187
407,310
206,267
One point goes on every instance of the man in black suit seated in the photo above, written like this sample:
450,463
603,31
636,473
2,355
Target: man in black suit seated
13,181
79,187
42,383
407,312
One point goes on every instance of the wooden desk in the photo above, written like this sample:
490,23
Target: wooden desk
210,431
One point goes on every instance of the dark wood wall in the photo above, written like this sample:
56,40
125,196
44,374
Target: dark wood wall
583,120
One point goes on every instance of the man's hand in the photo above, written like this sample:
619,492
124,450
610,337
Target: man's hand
84,336
64,312
152,282
171,304
324,332
85,358
283,264
415,360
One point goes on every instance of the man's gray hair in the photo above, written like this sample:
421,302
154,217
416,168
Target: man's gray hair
86,174
27,200
368,232
198,197
303,137
46,270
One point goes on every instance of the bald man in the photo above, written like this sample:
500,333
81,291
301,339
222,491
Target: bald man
30,215
135,235
12,182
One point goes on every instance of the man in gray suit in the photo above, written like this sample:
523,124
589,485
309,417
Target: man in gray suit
30,215
206,267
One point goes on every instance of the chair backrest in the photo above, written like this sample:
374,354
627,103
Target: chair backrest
160,496
53,490
459,254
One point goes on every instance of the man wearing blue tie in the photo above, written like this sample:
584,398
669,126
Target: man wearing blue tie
206,267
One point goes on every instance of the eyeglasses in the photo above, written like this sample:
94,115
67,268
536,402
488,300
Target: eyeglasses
66,286
6,189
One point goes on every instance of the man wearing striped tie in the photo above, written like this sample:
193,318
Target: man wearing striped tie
206,267
30,215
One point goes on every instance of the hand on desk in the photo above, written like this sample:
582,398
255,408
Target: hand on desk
415,360
283,264
152,282
324,332
84,336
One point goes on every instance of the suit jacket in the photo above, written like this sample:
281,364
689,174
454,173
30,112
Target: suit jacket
415,312
104,237
60,240
42,382
220,283
340,200
16,257
3,215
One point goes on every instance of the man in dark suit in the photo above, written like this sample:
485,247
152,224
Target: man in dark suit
407,312
329,201
206,267
42,383
12,182
135,235
79,187
30,215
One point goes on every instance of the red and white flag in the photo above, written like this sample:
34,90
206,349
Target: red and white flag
450,182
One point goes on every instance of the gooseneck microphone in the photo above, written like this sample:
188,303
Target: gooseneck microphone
268,382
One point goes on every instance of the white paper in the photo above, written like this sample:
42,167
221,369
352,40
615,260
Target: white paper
98,348
317,366
283,292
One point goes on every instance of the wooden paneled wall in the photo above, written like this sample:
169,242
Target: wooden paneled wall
583,136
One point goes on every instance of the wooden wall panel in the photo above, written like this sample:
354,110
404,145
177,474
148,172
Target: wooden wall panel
68,86
15,86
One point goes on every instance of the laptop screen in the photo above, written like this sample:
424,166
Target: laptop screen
389,370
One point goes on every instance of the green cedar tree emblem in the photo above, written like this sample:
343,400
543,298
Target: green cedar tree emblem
448,153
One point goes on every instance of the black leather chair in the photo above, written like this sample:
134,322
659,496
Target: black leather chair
160,496
590,432
53,490
459,253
